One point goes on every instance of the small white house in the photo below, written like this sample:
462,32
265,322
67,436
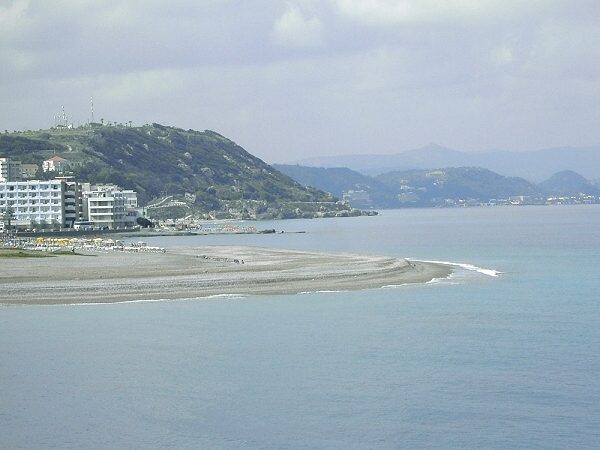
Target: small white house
55,164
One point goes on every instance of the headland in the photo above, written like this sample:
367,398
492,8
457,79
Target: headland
112,276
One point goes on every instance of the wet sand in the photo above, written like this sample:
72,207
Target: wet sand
199,272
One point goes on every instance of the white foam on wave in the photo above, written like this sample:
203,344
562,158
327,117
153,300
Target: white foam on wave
156,300
232,296
470,267
122,302
394,286
445,280
319,292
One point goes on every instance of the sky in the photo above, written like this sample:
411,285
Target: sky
294,79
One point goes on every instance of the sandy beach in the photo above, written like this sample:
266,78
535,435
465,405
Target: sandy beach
98,277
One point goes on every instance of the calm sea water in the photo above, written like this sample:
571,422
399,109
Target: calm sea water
474,362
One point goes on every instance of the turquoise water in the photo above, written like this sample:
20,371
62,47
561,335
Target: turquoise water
473,362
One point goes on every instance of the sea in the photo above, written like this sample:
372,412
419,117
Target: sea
505,354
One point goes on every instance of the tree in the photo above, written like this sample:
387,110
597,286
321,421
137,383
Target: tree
143,222
8,216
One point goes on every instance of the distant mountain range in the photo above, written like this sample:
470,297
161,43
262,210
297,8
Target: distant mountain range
534,166
437,187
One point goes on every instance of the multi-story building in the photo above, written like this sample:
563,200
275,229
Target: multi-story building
109,206
10,169
105,209
132,210
72,200
36,204
61,202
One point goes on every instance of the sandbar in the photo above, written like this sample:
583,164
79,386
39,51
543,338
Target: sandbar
181,273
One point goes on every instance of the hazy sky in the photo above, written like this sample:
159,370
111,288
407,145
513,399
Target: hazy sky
298,78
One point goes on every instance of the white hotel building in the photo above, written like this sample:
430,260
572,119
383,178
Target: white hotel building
39,204
109,206
60,203
105,209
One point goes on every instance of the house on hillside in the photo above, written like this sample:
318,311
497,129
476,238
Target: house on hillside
357,199
56,164
29,171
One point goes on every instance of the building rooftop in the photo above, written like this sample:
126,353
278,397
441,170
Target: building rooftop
56,158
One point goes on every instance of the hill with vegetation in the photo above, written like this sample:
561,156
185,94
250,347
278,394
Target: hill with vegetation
438,187
442,187
568,182
434,187
176,172
338,180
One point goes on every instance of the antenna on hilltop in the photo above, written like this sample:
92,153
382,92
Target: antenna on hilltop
92,107
64,116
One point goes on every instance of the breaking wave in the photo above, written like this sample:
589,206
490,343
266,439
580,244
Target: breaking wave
156,300
470,267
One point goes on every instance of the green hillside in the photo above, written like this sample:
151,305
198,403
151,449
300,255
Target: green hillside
440,187
182,171
568,182
432,187
340,179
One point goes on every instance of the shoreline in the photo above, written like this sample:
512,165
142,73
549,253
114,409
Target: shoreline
183,273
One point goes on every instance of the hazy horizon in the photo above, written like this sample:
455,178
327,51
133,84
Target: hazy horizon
434,145
303,78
